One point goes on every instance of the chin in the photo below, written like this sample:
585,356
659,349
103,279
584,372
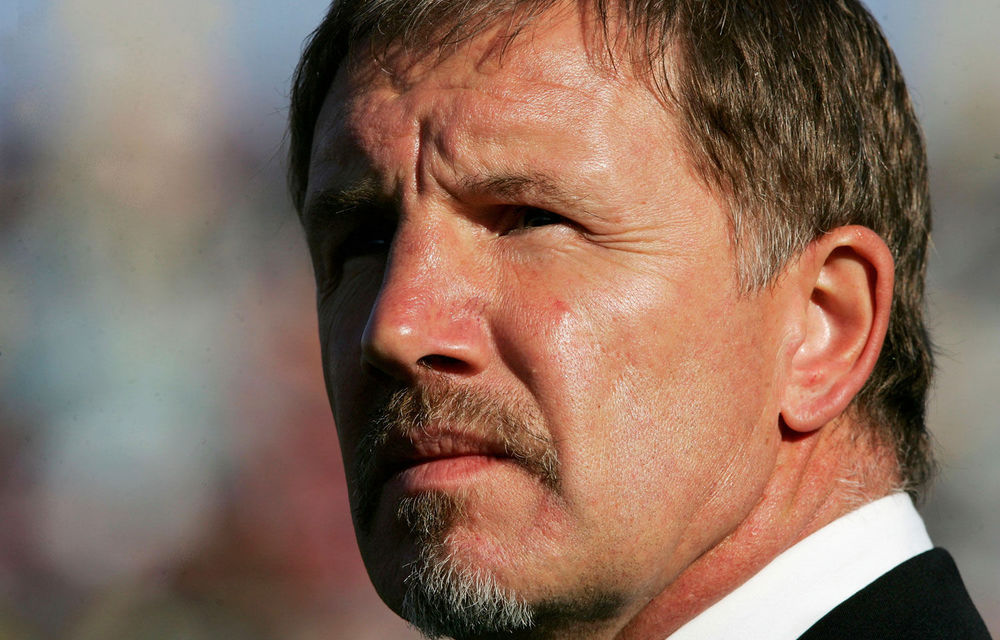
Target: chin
438,584
448,578
425,571
443,596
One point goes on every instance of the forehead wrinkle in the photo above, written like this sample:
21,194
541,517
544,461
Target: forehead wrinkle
461,115
503,109
459,146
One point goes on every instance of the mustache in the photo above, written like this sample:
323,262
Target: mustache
437,408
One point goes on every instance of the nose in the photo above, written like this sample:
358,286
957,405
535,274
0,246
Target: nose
428,315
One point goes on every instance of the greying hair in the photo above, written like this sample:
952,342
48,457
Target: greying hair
794,111
444,599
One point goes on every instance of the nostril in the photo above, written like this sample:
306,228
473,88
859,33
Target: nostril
444,364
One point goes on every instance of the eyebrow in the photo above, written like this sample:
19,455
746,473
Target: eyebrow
501,186
336,200
509,186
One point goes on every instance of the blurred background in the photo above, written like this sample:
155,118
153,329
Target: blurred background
168,467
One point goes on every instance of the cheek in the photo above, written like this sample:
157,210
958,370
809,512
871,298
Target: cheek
649,396
343,315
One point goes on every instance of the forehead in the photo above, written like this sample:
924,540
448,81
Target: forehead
494,93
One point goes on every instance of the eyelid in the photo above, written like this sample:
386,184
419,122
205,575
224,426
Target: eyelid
517,213
346,232
542,212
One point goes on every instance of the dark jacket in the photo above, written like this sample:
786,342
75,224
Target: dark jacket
921,599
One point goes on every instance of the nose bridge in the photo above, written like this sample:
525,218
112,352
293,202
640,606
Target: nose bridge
429,311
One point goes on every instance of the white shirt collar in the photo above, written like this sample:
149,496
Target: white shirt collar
812,577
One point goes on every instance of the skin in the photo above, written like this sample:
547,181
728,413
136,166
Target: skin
698,429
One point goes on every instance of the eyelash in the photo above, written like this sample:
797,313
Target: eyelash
374,233
523,213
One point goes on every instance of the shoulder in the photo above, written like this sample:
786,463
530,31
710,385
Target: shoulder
923,598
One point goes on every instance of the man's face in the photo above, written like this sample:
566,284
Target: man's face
518,250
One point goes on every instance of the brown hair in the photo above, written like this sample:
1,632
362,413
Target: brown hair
795,110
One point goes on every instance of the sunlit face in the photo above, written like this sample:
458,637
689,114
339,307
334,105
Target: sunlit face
527,231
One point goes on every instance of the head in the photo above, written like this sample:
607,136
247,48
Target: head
561,254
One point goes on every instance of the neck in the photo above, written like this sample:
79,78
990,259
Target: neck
818,478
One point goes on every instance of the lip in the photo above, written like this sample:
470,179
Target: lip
442,474
442,460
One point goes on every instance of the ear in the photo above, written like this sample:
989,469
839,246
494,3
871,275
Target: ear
842,285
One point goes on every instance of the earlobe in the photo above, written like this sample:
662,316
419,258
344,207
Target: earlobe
844,280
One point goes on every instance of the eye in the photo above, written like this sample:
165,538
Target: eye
371,236
530,217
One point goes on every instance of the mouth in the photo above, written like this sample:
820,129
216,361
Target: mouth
437,439
438,461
